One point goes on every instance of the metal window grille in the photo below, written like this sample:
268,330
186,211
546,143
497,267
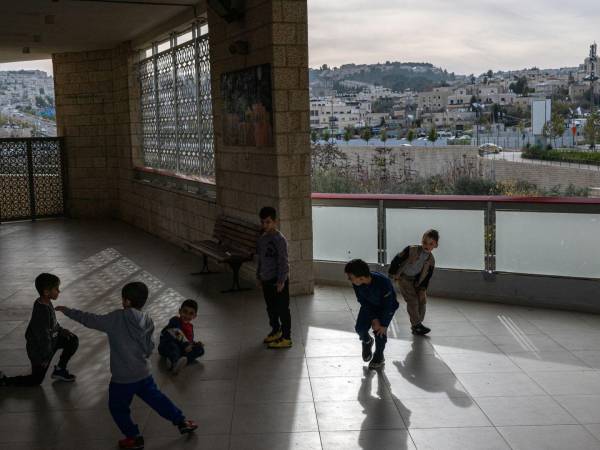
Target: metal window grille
176,108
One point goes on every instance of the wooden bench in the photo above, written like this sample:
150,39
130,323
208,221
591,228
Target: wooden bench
233,243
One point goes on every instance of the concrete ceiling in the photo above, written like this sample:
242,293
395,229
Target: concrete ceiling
55,26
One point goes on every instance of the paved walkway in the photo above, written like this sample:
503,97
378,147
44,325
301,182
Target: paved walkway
490,376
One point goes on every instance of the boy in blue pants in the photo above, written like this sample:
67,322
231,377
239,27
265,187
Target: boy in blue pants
378,303
129,333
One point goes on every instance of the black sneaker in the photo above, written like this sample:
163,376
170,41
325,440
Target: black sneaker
62,375
187,426
367,352
377,362
420,330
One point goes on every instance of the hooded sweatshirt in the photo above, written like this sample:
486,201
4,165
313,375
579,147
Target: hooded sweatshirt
129,333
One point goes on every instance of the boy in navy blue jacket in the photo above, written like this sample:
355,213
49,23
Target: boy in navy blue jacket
378,303
177,343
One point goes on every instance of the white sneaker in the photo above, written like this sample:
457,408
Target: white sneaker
179,365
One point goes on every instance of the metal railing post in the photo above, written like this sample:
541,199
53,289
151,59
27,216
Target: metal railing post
175,98
490,237
381,234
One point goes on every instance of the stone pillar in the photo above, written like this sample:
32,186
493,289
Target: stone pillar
279,175
92,116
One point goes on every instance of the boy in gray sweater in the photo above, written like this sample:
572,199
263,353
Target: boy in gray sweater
129,333
272,275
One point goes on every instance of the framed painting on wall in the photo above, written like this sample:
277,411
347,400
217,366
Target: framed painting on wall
247,107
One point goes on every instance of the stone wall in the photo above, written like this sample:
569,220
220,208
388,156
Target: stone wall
542,175
423,161
85,112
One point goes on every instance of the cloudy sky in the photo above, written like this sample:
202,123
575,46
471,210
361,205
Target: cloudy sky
463,36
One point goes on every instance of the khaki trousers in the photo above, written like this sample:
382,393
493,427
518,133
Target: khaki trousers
416,301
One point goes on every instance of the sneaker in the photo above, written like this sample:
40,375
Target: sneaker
377,362
132,443
62,375
187,426
367,352
420,330
272,337
281,343
179,365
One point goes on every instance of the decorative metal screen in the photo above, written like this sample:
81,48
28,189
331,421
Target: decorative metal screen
176,110
31,178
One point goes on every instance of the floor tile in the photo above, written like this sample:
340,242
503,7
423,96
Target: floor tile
499,384
367,439
459,439
369,414
267,418
585,408
556,437
270,441
443,413
505,411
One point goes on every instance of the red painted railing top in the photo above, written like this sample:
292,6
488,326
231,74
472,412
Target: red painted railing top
459,198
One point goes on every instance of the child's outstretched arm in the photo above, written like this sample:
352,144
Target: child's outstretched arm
100,322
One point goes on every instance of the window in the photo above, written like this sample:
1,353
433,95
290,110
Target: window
176,108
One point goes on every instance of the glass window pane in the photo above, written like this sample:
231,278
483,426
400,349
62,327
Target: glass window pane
548,243
184,37
344,233
163,46
461,235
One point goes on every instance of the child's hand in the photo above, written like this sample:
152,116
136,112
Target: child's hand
188,349
280,286
381,331
376,324
60,308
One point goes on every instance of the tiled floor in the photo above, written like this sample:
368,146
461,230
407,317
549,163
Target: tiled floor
489,377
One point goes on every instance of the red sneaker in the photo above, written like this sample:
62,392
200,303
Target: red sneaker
132,443
187,426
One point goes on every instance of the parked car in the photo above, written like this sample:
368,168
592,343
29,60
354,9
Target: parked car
489,148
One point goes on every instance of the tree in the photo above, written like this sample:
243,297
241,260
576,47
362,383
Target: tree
432,136
383,136
411,135
348,134
490,73
557,125
314,136
326,135
591,131
366,134
520,86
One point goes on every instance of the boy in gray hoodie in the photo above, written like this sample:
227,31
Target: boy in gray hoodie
129,333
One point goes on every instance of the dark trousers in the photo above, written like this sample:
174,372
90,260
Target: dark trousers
120,396
278,307
173,350
66,341
363,325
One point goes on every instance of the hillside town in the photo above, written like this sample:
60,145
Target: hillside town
341,100
26,104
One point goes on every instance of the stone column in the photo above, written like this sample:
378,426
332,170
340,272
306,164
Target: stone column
279,175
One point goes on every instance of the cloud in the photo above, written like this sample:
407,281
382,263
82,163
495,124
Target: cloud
42,64
463,36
